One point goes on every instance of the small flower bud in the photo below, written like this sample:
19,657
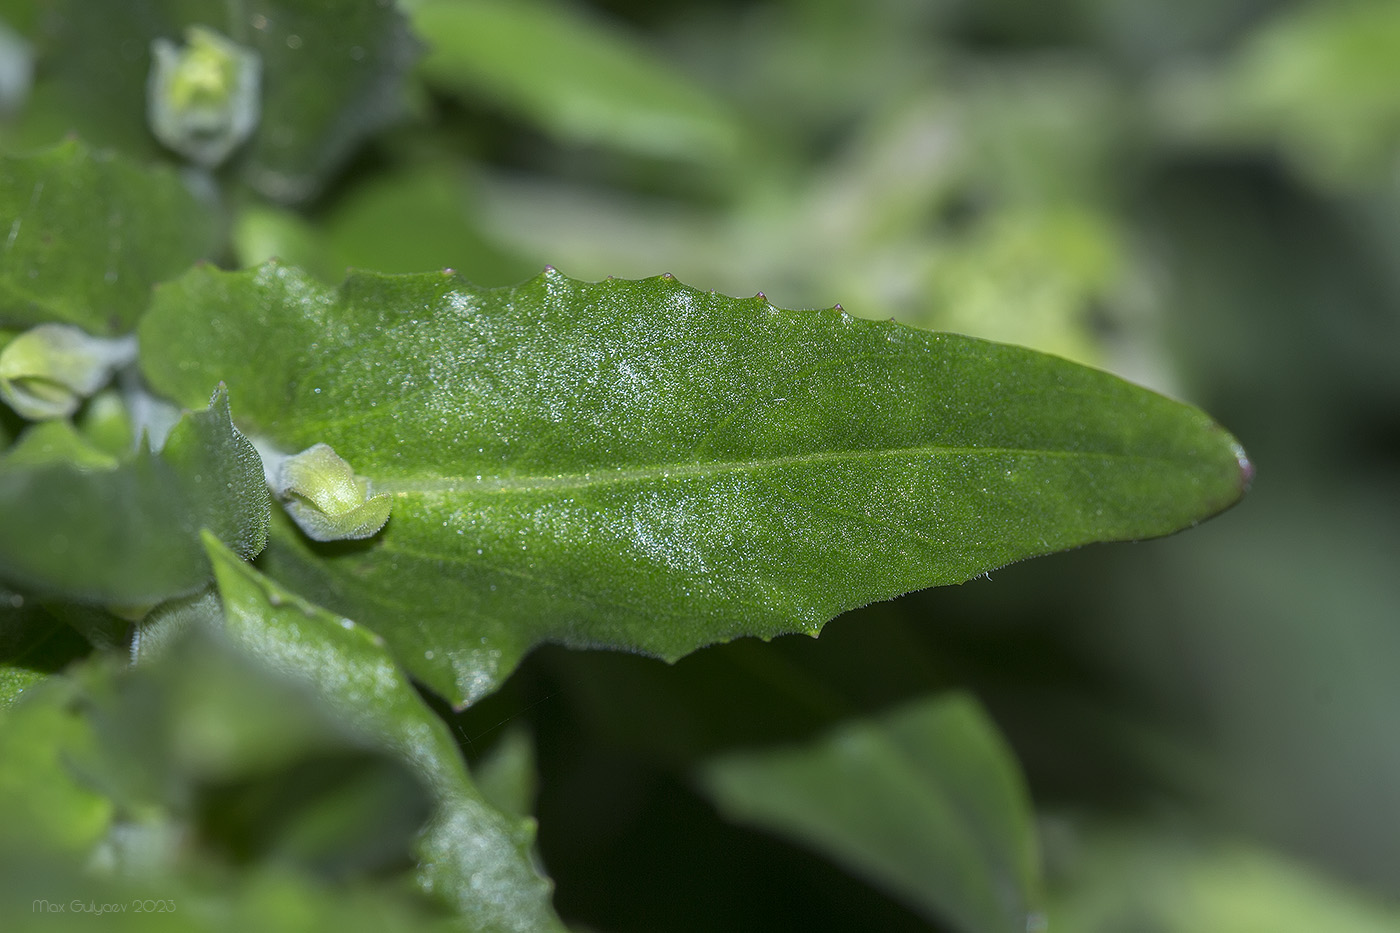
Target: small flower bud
47,371
202,98
326,499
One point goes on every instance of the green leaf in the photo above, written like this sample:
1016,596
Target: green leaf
572,76
472,855
333,74
105,423
53,442
43,803
213,793
76,523
1161,878
415,219
261,233
85,235
33,644
925,802
1324,82
641,465
331,71
506,775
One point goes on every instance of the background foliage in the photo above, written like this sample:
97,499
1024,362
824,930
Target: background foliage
1202,196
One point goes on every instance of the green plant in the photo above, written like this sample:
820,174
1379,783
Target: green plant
233,553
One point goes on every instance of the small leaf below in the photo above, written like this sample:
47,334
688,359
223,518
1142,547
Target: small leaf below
925,802
78,524
472,856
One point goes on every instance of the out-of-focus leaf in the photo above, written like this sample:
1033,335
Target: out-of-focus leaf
1161,880
332,73
1029,277
1320,81
126,533
925,802
53,442
506,775
1326,79
33,644
473,856
20,15
180,788
44,807
212,747
418,220
572,76
641,465
10,423
261,233
105,424
85,235
101,627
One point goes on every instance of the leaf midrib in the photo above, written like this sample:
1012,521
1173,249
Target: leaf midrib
508,484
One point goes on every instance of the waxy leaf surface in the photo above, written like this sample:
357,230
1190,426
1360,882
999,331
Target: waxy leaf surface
645,466
473,856
127,533
83,237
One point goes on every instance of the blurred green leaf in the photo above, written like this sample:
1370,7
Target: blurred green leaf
44,806
1138,878
1326,79
206,745
1031,277
332,74
33,644
105,424
1320,81
641,465
925,802
506,775
472,855
573,76
87,234
53,442
419,219
190,782
125,533
261,233
20,15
